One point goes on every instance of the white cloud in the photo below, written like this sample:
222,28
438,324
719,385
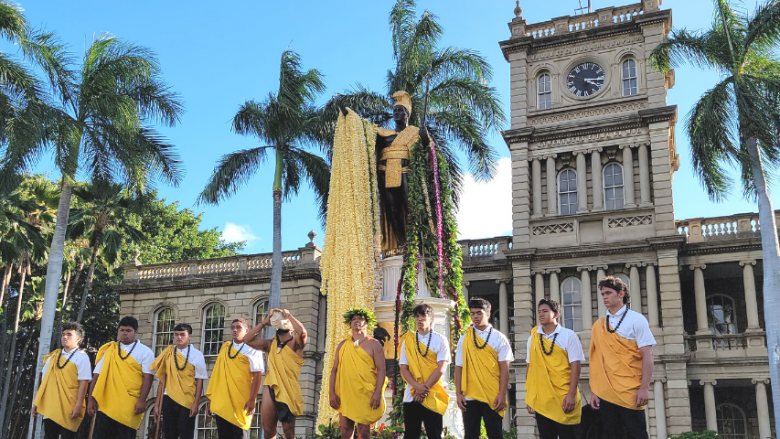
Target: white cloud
486,208
236,233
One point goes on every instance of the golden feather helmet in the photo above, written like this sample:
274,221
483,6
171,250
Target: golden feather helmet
403,99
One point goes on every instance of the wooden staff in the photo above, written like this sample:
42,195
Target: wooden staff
92,425
159,420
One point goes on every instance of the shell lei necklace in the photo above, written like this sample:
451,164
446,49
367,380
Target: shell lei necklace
186,360
233,347
357,342
67,360
119,351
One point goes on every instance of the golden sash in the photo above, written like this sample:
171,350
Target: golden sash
58,393
284,369
549,381
230,387
400,149
480,375
356,383
615,367
180,384
422,367
118,386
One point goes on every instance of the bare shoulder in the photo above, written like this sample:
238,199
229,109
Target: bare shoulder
338,348
371,344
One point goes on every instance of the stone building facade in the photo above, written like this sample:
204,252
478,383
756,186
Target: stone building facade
592,142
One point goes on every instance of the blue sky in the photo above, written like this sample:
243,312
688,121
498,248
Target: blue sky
216,55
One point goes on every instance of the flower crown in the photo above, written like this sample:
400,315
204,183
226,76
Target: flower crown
367,315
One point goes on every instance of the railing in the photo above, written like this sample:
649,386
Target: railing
726,345
579,23
724,342
720,228
490,248
163,271
233,264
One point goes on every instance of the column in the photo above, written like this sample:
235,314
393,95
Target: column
536,175
764,427
660,409
628,176
552,187
538,287
644,175
503,307
709,404
652,295
751,304
582,183
600,274
587,306
464,286
598,186
555,286
634,288
701,299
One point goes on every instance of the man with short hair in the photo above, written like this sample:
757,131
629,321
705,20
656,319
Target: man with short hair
552,373
482,373
621,363
64,380
357,379
424,357
234,383
181,370
120,384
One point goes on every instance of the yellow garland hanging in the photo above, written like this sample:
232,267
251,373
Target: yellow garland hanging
351,276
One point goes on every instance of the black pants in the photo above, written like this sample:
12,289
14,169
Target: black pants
549,429
475,412
106,427
177,423
415,414
226,430
617,420
53,430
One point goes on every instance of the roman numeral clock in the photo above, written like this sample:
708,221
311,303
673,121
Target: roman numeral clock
585,80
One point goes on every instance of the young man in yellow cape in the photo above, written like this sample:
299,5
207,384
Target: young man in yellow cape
234,384
64,380
357,379
621,363
120,384
482,373
181,370
552,374
424,358
282,397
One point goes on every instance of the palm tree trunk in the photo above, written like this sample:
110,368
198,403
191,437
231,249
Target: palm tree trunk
771,263
275,299
7,384
90,276
53,278
17,380
3,333
70,284
6,281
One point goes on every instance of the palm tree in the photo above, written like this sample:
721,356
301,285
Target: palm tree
103,221
98,125
283,123
737,123
462,109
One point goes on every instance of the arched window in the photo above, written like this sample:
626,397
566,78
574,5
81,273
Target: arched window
543,92
205,427
721,316
571,296
261,311
629,77
567,192
731,422
625,280
164,321
213,325
613,186
150,425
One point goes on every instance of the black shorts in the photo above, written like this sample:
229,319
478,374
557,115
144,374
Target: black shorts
282,410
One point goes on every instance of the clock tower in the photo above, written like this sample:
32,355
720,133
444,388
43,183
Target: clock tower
593,155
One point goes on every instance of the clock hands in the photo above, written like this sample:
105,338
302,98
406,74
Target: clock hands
593,80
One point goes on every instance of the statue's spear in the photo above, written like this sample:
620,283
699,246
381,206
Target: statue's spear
427,80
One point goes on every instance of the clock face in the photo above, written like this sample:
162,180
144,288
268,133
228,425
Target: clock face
585,80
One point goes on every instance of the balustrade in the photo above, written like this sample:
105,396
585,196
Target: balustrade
720,228
579,23
490,248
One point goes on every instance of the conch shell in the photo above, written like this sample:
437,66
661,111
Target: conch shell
277,322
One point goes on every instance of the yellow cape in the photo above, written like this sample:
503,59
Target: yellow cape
230,386
356,383
118,386
548,382
480,375
421,368
180,384
58,393
284,369
615,367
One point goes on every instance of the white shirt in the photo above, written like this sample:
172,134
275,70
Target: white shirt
197,360
79,358
566,339
497,341
255,357
634,327
141,354
438,346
